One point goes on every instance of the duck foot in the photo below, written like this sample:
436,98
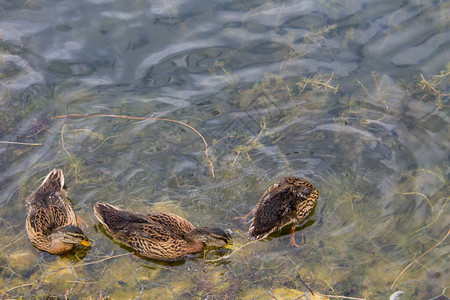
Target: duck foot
292,239
243,219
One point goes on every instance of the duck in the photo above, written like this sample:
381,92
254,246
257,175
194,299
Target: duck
51,224
159,235
289,201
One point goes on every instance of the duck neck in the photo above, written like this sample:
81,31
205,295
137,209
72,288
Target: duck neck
194,243
56,246
195,246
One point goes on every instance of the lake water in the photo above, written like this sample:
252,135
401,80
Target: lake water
351,95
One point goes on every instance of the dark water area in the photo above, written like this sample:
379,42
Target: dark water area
350,95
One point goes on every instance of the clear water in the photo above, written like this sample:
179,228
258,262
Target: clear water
351,95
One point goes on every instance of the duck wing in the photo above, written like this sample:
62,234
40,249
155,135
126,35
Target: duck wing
116,219
151,235
274,211
171,221
153,241
48,206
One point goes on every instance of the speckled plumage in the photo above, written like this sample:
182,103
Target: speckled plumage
288,201
50,216
159,235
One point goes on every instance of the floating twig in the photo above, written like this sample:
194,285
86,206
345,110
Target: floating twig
144,118
342,297
20,143
16,287
228,256
16,239
305,285
271,294
414,261
428,85
440,211
62,137
426,198
97,261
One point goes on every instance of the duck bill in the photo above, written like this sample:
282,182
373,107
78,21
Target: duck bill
85,243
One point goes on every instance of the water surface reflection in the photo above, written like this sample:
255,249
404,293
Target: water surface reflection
351,95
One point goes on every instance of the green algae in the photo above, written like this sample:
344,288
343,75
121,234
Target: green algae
355,245
377,211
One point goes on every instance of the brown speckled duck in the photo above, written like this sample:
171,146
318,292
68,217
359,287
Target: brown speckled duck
51,224
159,235
288,201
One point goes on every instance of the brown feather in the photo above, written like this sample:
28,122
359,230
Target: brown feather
49,209
158,235
288,201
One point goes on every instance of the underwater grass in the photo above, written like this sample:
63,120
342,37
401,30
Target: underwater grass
356,246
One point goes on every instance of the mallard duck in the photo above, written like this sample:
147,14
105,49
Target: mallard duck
288,201
158,235
51,224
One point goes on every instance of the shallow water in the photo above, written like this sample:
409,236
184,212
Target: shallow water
351,95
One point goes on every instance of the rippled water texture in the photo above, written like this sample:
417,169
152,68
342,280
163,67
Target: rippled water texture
351,95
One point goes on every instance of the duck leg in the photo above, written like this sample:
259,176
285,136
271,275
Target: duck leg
292,238
244,218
